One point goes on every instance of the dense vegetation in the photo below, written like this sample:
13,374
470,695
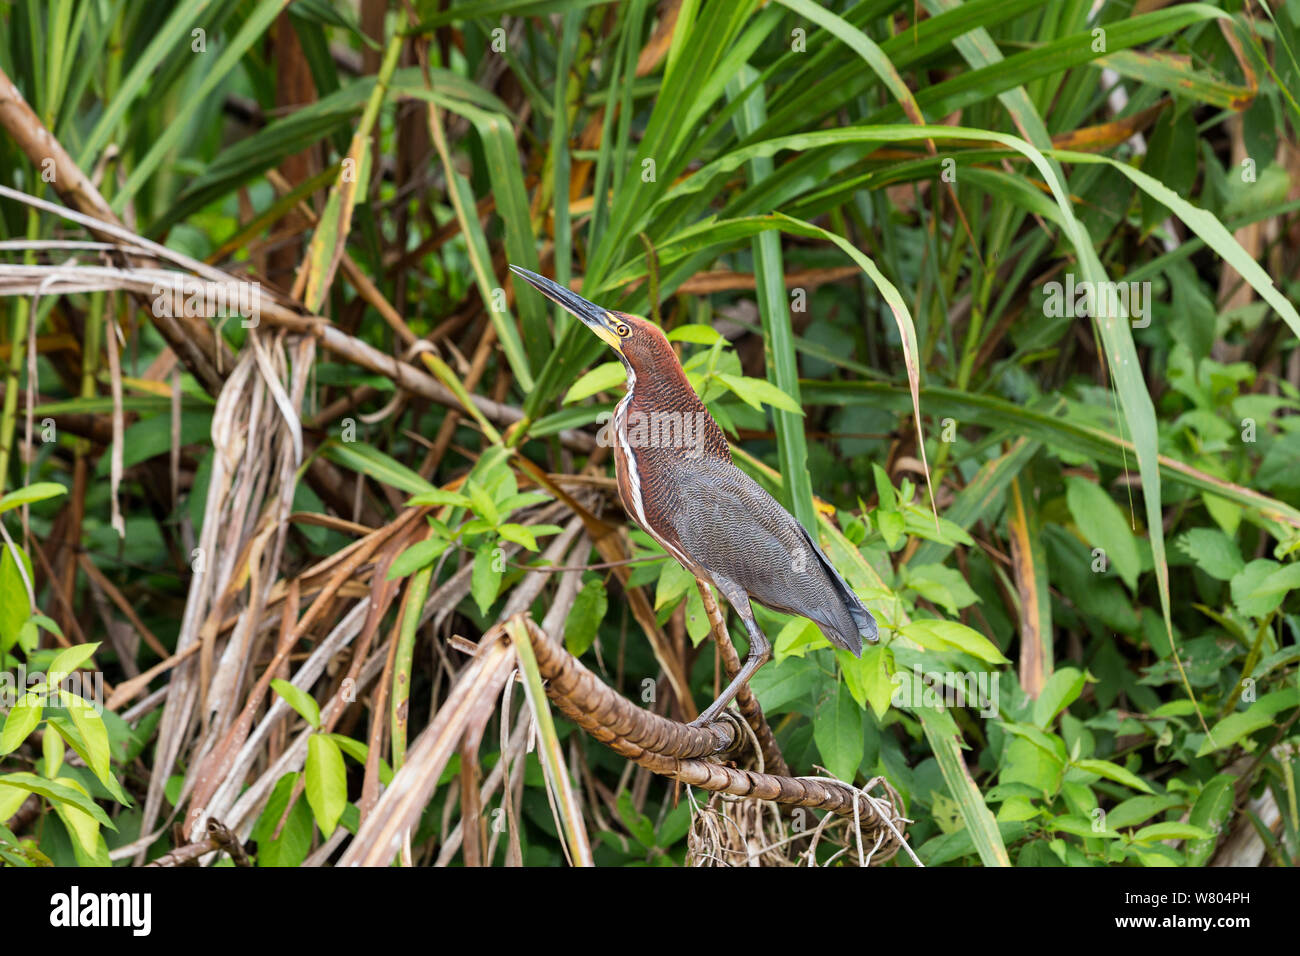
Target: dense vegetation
884,234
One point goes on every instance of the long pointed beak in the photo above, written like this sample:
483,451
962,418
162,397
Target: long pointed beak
591,315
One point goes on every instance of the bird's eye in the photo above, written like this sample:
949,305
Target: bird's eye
623,330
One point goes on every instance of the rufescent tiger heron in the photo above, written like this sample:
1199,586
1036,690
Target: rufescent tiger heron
677,481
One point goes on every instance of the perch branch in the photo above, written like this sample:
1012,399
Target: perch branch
674,750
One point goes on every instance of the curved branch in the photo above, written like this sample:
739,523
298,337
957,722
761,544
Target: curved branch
675,750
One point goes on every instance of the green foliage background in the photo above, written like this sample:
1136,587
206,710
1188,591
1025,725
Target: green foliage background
1105,544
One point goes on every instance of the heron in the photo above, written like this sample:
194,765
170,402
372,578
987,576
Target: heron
677,481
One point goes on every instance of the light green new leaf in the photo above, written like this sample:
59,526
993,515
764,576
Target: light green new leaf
602,378
439,497
69,660
867,677
58,792
22,720
939,635
94,736
518,534
485,579
754,391
1059,692
299,700
37,492
327,782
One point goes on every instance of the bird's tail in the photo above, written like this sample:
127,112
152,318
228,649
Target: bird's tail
864,619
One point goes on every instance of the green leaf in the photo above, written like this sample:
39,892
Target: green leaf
22,720
327,782
673,582
1112,771
419,555
583,622
360,457
518,534
57,792
638,824
692,332
69,731
939,635
52,750
68,660
940,585
37,492
796,638
777,687
358,751
697,621
47,624
294,842
151,437
1048,743
11,798
891,524
1134,810
484,506
602,378
1081,826
754,391
1171,831
1213,551
1262,585
439,497
1104,526
1243,723
1210,812
867,677
982,829
94,735
299,700
837,730
88,844
1059,692
485,580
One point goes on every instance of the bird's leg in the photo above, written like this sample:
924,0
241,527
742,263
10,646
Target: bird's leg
760,652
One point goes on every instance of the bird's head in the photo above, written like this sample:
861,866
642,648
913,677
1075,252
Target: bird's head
639,343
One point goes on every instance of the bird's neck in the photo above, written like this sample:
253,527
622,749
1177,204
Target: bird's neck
661,410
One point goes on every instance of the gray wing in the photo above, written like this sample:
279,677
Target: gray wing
732,526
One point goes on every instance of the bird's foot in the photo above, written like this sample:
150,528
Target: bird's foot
706,718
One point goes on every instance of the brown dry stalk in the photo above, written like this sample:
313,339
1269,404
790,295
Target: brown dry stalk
219,838
673,750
